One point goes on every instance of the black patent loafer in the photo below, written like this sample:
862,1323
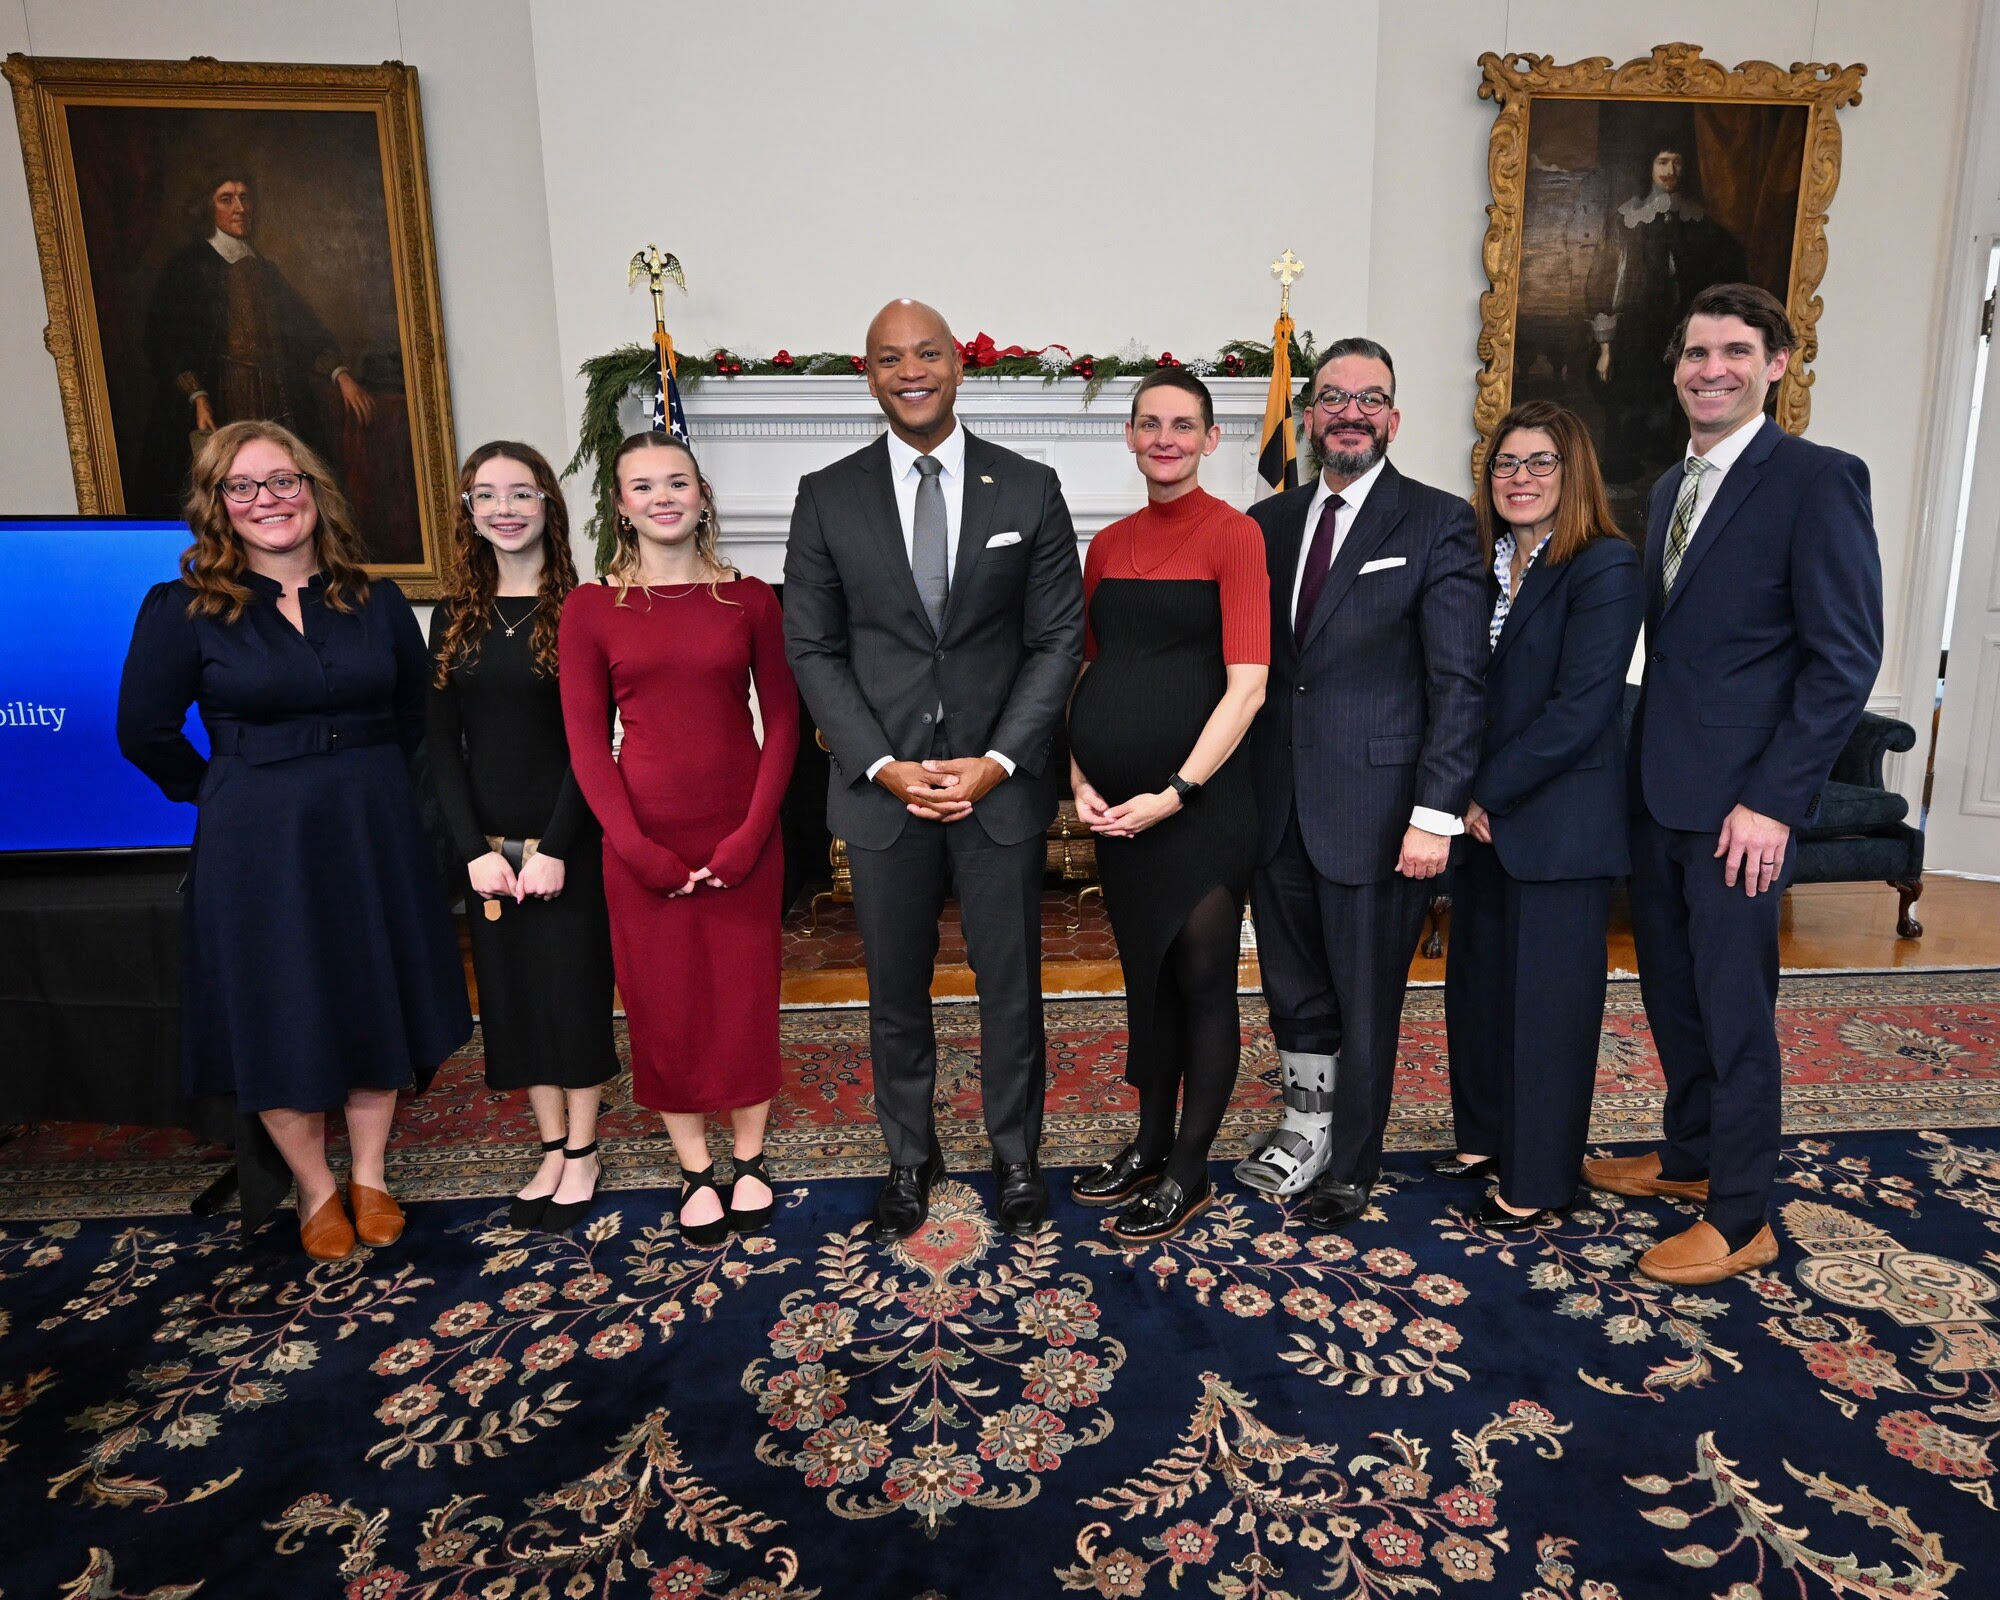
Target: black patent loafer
1020,1196
1161,1212
1493,1215
1334,1204
1113,1182
1449,1166
904,1204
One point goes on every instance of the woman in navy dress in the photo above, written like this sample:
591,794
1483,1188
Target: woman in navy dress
320,972
1524,985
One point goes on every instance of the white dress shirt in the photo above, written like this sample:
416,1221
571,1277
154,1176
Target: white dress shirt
904,477
1352,498
1721,456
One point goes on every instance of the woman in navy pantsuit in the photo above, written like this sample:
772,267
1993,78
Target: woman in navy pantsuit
1524,985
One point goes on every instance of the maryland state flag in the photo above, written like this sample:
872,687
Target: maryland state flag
1278,461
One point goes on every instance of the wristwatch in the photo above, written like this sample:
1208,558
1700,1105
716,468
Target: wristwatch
1187,791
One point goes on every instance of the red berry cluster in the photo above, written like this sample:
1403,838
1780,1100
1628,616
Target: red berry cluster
859,364
726,365
1166,359
782,359
1084,367
1232,364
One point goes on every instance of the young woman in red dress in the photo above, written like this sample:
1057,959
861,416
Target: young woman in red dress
1178,644
674,641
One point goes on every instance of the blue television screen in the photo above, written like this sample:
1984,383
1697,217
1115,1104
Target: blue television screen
70,589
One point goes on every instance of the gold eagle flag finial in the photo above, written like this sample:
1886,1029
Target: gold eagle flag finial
656,266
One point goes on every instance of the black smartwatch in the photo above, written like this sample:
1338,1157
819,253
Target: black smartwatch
1187,791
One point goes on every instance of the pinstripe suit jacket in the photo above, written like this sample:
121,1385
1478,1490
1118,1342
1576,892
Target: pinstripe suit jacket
1381,707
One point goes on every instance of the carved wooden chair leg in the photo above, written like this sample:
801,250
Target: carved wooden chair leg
1908,892
1434,915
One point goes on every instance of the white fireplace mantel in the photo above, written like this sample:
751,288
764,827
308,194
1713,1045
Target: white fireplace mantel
757,436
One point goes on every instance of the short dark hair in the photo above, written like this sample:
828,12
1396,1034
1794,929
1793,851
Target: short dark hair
1177,378
1758,307
1355,345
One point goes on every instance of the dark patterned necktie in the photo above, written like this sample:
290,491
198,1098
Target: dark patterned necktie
1319,562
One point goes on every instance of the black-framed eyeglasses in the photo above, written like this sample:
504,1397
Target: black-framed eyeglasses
1539,465
1370,402
285,485
484,502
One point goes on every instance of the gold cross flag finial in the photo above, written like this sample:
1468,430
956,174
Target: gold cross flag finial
656,266
1286,269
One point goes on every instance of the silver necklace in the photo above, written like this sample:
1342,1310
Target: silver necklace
520,620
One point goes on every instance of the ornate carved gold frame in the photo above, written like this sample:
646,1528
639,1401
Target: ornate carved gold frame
45,86
1672,72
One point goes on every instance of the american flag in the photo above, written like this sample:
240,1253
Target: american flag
668,417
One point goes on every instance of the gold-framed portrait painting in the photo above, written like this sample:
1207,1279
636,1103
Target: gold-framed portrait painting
225,240
1618,194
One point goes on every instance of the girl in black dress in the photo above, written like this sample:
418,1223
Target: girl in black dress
541,942
319,971
1178,646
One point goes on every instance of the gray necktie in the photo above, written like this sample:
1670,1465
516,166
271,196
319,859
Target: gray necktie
930,543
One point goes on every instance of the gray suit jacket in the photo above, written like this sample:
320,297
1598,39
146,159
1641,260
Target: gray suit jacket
1382,708
874,673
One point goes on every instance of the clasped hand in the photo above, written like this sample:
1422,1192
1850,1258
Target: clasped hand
540,878
941,791
696,878
1135,816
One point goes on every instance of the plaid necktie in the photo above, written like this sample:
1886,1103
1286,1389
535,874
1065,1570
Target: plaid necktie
1683,528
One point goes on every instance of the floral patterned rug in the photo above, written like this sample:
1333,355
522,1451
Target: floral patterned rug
1890,1050
1252,1410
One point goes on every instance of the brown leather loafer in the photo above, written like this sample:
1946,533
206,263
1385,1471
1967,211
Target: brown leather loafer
377,1218
1640,1175
1702,1255
326,1234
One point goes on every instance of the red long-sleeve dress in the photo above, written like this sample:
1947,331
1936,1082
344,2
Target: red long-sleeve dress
690,787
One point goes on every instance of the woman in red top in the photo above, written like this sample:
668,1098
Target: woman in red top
674,641
1178,643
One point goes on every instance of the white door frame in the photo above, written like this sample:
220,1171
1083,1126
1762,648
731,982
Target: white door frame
1975,227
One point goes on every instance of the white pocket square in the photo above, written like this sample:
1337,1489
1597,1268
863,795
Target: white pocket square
999,539
1382,564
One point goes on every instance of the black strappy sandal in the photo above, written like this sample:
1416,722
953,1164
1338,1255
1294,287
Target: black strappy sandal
561,1218
526,1214
757,1219
707,1235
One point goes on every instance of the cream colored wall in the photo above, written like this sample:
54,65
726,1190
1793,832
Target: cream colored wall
476,74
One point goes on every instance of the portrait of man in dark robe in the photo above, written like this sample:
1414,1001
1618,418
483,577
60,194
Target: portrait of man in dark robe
227,338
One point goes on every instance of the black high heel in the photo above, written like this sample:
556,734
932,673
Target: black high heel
526,1214
706,1235
561,1218
755,1219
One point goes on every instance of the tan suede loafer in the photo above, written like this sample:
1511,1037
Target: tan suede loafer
1640,1175
326,1234
1702,1255
377,1217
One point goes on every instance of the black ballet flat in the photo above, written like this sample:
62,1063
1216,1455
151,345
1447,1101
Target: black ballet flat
1113,1182
704,1235
1161,1212
1449,1166
525,1214
1494,1216
753,1219
561,1218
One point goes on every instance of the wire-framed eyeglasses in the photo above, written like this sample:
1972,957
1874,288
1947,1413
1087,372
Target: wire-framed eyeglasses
484,502
1539,465
285,485
1369,402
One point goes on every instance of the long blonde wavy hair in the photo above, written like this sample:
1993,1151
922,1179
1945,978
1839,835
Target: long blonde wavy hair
213,566
622,570
474,577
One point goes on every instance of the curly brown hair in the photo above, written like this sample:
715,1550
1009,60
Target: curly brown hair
474,575
1584,511
213,566
622,570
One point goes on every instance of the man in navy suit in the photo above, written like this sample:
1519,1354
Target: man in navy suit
1763,638
1362,759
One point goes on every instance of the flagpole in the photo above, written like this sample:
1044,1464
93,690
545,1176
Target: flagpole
1277,460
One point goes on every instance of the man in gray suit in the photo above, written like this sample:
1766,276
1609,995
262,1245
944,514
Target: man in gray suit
1362,759
934,617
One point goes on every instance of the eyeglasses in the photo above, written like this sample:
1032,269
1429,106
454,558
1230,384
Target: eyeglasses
484,502
285,485
1369,401
1539,465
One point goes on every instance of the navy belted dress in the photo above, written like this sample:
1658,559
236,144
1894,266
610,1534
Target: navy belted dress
319,955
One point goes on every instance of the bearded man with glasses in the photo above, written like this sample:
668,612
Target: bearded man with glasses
1362,759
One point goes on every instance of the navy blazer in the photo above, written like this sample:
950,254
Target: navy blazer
1379,711
1551,767
1759,664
